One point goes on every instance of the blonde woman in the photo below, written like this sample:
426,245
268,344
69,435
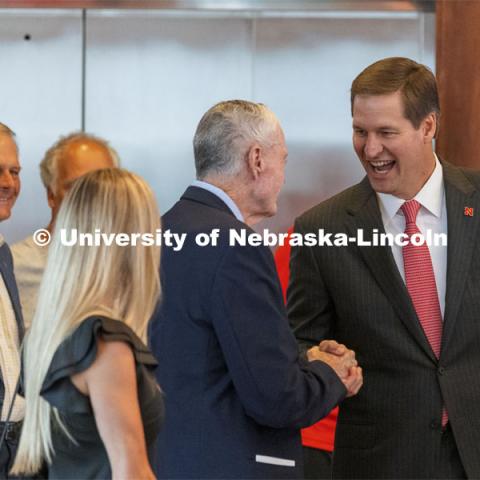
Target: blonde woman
93,408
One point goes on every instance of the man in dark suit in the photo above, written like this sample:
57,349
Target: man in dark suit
236,391
409,311
11,323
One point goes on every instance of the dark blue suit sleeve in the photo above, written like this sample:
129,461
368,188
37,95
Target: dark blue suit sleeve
277,388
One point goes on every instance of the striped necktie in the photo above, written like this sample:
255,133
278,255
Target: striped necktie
421,285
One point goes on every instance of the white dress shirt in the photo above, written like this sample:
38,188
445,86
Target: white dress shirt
222,195
431,216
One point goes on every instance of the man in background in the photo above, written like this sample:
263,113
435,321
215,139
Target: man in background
236,390
11,323
68,159
409,311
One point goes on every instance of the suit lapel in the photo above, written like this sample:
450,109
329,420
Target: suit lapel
459,193
365,215
11,286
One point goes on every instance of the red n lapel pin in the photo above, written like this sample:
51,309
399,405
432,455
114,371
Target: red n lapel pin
468,211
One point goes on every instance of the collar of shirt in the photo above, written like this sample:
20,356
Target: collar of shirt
222,196
2,240
430,196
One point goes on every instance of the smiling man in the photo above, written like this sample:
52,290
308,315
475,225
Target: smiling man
11,323
410,313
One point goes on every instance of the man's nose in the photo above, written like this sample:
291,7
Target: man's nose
373,147
6,179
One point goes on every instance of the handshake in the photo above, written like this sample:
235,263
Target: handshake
342,360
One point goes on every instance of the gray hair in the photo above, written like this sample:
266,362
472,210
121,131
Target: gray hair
8,131
49,164
225,134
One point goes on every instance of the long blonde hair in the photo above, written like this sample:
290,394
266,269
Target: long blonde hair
121,282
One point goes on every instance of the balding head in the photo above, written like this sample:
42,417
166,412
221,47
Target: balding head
70,158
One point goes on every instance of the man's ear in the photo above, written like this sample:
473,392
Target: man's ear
51,198
429,127
255,160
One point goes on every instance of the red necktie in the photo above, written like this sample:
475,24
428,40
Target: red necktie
421,285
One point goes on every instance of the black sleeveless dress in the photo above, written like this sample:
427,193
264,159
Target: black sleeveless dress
87,459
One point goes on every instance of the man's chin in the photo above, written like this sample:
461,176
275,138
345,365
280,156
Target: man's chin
4,215
380,185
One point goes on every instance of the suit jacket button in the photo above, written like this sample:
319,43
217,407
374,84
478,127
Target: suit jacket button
441,370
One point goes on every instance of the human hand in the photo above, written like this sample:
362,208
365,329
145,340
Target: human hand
345,366
333,347
341,364
354,381
340,350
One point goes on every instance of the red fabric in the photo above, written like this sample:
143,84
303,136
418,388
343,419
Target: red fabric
322,434
420,280
421,285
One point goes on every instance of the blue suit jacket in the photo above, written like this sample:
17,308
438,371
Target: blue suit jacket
235,387
6,270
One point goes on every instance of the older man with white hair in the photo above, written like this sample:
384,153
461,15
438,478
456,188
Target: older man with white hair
236,390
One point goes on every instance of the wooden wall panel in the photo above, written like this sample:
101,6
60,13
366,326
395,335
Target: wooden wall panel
458,73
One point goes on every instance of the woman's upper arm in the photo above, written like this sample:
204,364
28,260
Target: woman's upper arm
111,384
